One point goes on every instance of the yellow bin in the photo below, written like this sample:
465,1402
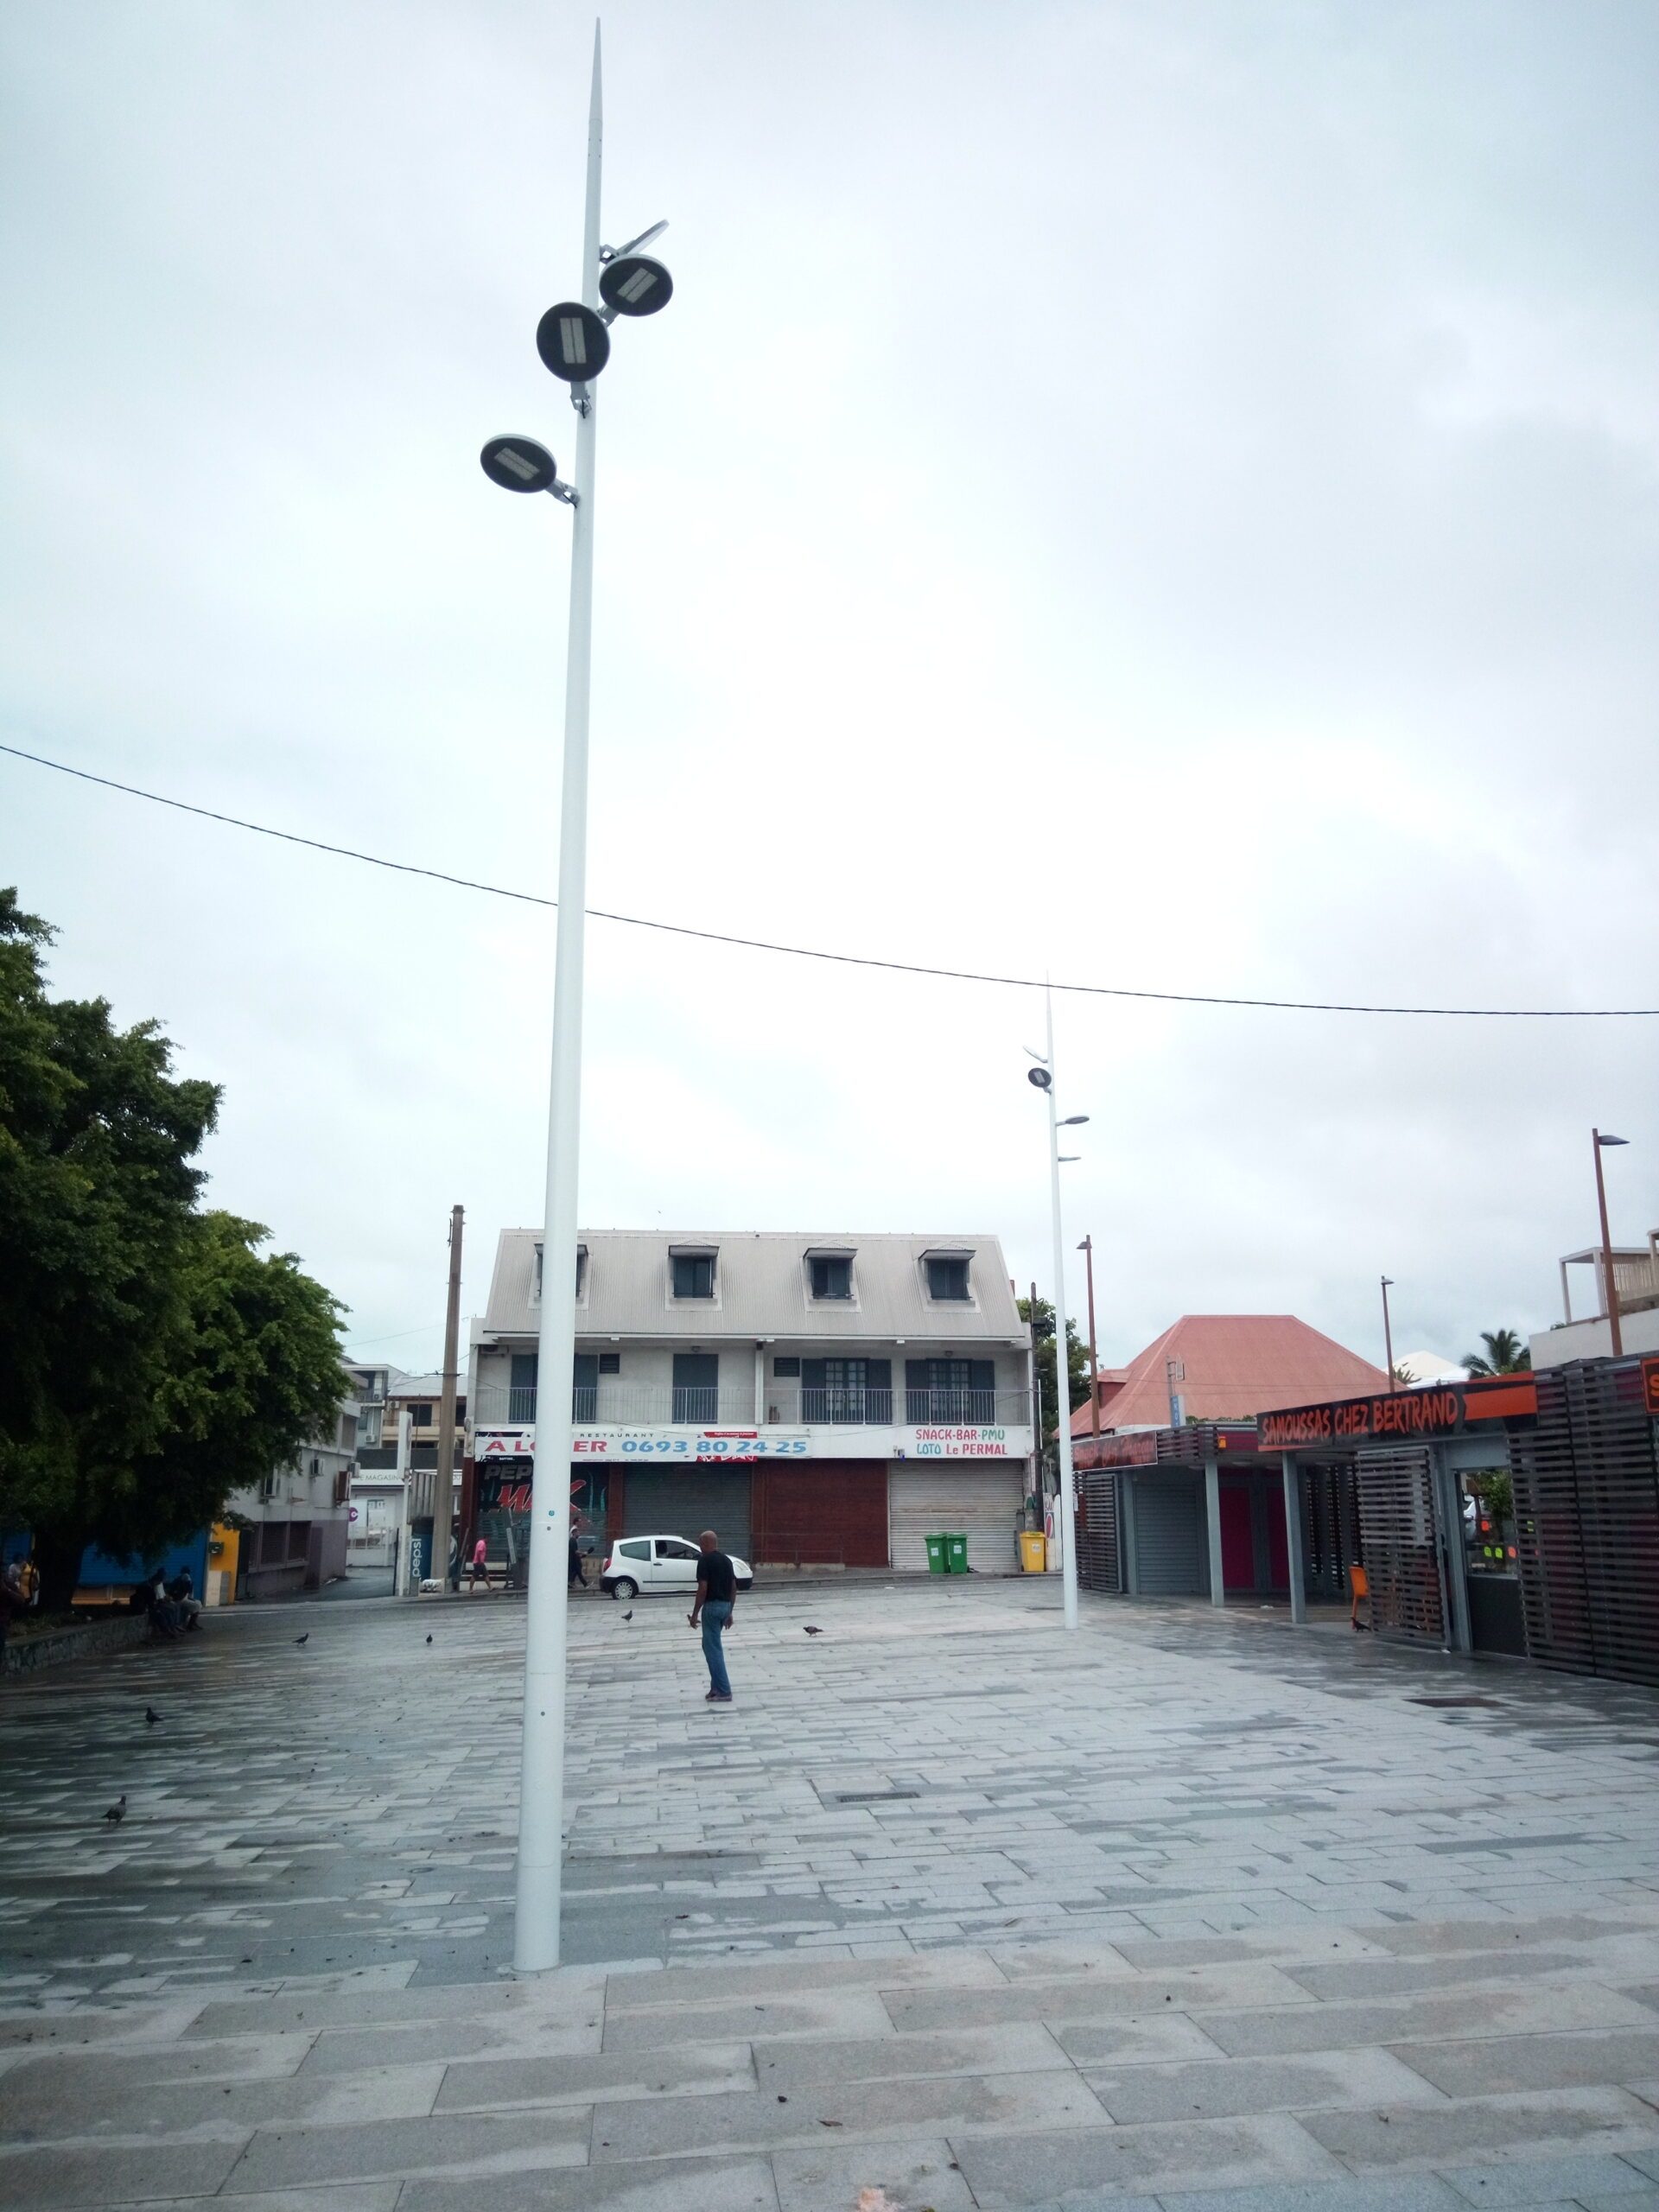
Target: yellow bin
1033,1547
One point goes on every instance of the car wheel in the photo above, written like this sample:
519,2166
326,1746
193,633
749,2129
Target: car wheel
747,1584
622,1588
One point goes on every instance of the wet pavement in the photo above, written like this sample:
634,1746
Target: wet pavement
1186,1901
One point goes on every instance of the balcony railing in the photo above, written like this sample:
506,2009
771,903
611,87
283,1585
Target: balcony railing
606,1404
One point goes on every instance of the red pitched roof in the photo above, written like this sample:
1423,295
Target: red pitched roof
1237,1364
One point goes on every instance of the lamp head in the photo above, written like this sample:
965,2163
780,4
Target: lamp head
519,465
1040,1079
1602,1138
635,284
573,342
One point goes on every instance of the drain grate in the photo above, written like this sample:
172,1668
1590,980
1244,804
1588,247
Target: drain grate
1492,1701
871,1796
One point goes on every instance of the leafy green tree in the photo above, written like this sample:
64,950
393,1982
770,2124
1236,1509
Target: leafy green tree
1077,1358
1505,1354
115,1296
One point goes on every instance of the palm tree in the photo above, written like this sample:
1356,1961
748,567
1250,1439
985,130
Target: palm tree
1505,1354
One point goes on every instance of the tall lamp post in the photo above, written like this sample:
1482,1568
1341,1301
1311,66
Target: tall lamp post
574,342
1042,1076
1388,1332
1610,1288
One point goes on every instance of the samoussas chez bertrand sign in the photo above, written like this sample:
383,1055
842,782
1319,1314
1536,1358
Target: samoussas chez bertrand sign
1417,1414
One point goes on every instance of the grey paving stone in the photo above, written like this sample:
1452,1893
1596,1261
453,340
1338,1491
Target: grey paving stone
447,2142
845,2013
722,1982
1538,2181
1530,2126
1166,2034
513,2035
1646,2199
33,2182
84,2075
1005,2170
953,2105
362,2197
914,2176
812,2061
1418,1940
1222,2088
1384,2193
1375,1978
671,2070
377,2007
1089,1996
228,2110
1489,2067
662,2185
1512,2010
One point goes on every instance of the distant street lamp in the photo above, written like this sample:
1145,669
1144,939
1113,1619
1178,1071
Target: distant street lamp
1610,1288
1042,1077
1388,1333
574,341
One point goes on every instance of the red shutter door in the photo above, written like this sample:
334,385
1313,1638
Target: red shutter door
822,1513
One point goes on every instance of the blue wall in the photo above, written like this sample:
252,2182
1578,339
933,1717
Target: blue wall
98,1568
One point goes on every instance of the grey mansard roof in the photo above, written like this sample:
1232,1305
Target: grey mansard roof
761,1287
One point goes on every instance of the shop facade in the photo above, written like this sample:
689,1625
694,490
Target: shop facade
819,1401
1515,1516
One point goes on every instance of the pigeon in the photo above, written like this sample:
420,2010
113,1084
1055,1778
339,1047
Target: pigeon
118,1812
429,1639
306,1639
150,1715
812,1632
628,1616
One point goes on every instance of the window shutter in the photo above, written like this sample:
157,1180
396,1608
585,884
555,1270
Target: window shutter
917,1377
878,1374
584,1372
981,1375
524,1369
812,1375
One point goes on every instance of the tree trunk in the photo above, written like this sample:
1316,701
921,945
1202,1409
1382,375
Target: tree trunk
57,1557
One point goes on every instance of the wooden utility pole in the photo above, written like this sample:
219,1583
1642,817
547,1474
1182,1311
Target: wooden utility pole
444,1475
1087,1249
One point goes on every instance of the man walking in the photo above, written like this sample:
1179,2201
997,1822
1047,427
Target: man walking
717,1600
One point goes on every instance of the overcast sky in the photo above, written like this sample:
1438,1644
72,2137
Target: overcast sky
1159,491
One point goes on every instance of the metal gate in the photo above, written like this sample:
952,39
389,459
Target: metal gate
1398,1539
1586,1496
676,1502
1171,1549
1097,1546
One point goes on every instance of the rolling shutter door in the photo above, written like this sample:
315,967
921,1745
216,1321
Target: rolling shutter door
822,1513
683,1502
983,1502
1171,1545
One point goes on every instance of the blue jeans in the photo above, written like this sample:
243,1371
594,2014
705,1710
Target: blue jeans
716,1614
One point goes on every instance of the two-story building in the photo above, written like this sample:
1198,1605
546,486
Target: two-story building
822,1400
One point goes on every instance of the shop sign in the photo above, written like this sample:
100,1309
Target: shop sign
1396,1413
959,1444
1650,1386
741,1445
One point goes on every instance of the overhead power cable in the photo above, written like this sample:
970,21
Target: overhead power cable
850,959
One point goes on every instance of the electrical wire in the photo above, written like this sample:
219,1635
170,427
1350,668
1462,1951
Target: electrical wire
852,959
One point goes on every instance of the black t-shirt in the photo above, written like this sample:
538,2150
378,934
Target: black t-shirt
717,1578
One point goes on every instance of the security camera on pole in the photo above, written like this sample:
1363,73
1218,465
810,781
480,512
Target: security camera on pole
1042,1077
574,341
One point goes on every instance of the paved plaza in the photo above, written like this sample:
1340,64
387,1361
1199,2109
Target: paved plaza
948,1910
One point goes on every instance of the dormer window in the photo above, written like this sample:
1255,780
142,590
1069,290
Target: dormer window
831,1275
691,1273
947,1277
581,1271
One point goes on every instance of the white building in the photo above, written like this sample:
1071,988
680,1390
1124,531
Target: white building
1636,1282
824,1401
294,1525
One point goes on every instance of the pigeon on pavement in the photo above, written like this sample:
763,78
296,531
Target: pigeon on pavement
812,1632
118,1812
151,1716
429,1639
628,1616
303,1639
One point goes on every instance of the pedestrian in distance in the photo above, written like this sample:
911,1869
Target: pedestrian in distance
717,1602
575,1573
480,1570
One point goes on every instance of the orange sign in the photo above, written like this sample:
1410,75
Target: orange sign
1650,1385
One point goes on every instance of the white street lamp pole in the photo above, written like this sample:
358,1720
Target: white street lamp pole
541,1800
1062,1391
